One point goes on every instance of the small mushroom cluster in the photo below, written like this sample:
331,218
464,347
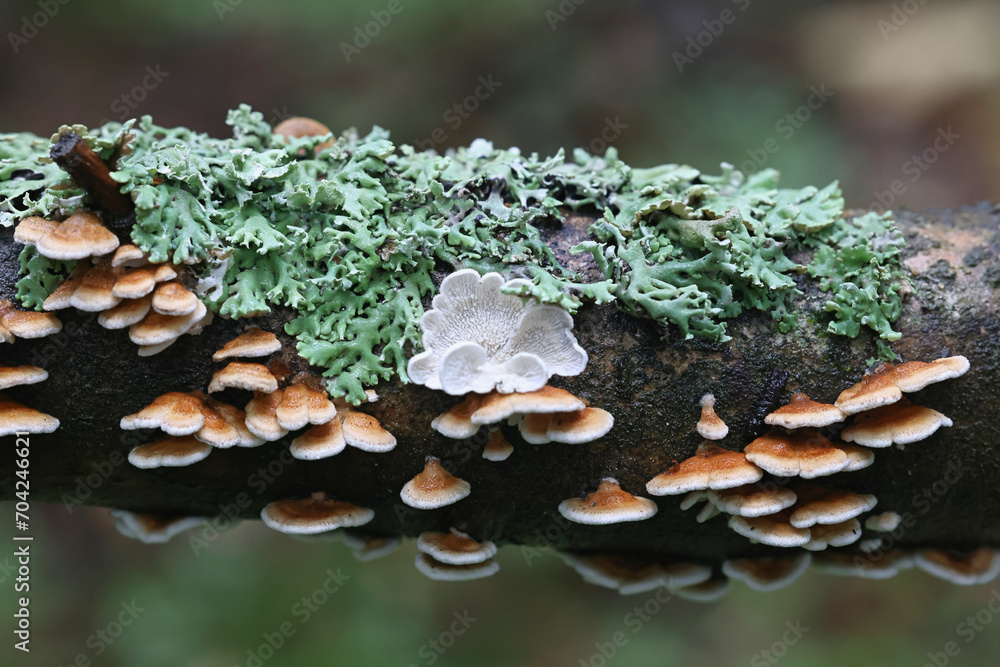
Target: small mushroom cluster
125,287
15,417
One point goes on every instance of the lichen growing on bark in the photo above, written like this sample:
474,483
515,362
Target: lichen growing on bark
348,236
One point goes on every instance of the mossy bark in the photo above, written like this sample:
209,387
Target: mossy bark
642,372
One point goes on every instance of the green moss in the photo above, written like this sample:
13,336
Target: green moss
348,237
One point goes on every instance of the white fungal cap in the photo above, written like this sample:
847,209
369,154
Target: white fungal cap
710,426
434,487
262,418
857,457
32,228
457,422
455,548
175,413
497,448
17,418
900,423
240,375
319,442
773,529
803,452
693,498
151,350
495,406
27,324
174,299
153,528
94,293
834,535
79,236
712,467
609,504
172,451
883,523
572,428
964,569
767,573
156,328
709,511
369,547
364,432
477,339
316,514
752,499
253,342
803,412
708,591
125,314
301,405
846,564
818,504
14,376
439,571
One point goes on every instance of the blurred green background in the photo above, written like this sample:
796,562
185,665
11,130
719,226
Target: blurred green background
893,78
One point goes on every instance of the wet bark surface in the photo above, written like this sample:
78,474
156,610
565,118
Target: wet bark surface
644,373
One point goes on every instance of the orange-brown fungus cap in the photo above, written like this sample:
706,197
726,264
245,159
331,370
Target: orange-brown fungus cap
32,228
175,413
772,529
171,451
364,432
803,452
241,375
496,407
579,426
455,548
609,504
17,418
253,342
14,376
752,499
95,291
803,412
840,534
156,328
497,448
712,467
301,405
819,504
262,418
457,422
79,236
128,256
900,423
300,126
768,573
319,442
61,296
316,514
434,487
174,299
27,324
711,426
125,314
886,383
980,566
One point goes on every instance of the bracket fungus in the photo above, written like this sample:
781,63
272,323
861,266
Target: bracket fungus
172,451
710,426
434,487
477,338
820,505
768,573
840,534
17,418
152,528
79,236
15,376
712,467
842,563
497,448
630,574
319,442
254,342
752,499
315,514
27,324
435,569
175,413
886,383
900,423
241,375
571,428
980,566
455,548
609,504
773,529
884,522
804,452
802,412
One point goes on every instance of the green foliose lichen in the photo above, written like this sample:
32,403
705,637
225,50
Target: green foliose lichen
348,236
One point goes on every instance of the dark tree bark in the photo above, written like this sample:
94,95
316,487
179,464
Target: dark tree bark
641,371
